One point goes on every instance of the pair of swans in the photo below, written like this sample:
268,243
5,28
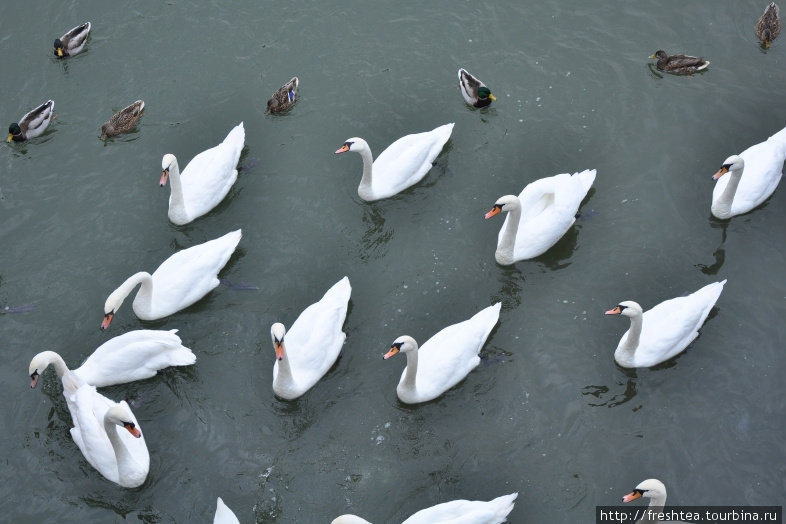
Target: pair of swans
445,359
665,330
454,512
206,179
539,216
753,176
311,346
179,281
404,163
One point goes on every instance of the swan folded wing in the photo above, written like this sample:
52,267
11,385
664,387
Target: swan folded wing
765,160
454,511
209,176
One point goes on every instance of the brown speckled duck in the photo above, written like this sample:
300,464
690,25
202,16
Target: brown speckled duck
123,121
679,64
72,42
284,97
769,25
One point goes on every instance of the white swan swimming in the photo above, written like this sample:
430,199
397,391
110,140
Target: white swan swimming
539,216
224,515
444,359
308,350
179,281
755,173
656,492
135,355
404,163
665,330
454,512
205,181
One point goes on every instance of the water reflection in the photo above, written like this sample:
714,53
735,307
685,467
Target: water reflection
610,397
720,253
373,244
511,281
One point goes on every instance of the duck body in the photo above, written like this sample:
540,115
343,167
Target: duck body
541,214
205,181
132,356
768,26
466,512
752,177
179,281
73,41
123,121
664,331
311,346
224,515
404,163
33,124
679,64
475,92
284,97
443,360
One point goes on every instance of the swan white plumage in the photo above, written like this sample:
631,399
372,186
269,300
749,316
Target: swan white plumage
205,181
224,515
135,355
454,512
311,346
404,163
444,359
179,281
665,330
755,173
655,490
107,433
540,215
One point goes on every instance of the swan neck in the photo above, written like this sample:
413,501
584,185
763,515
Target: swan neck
57,362
177,204
507,243
284,378
722,208
122,455
365,189
409,381
144,297
634,335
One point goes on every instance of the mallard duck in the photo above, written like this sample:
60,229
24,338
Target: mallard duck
769,25
473,90
284,97
679,64
72,42
33,123
123,121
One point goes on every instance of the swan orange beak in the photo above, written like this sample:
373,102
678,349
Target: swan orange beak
722,171
342,149
34,379
494,211
279,346
132,429
164,176
107,320
616,310
631,496
393,351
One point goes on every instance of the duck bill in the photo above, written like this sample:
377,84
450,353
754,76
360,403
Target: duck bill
652,57
492,96
494,211
393,351
10,138
722,171
59,52
614,311
107,320
342,149
164,176
631,496
133,430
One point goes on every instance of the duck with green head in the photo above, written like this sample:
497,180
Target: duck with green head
33,124
475,92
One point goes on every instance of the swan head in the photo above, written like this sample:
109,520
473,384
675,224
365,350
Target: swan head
120,416
166,164
277,332
733,163
403,344
353,144
504,204
652,488
628,308
112,304
39,363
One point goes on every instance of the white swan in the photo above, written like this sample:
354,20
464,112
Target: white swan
656,491
135,355
755,173
444,359
224,515
205,181
540,215
404,163
665,330
179,281
118,454
312,344
454,512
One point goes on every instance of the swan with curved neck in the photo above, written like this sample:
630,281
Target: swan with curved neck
445,359
404,163
539,216
753,176
135,355
206,179
179,281
665,330
655,490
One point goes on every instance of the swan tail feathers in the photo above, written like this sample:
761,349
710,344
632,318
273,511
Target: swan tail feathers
504,505
587,178
488,318
780,138
237,135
